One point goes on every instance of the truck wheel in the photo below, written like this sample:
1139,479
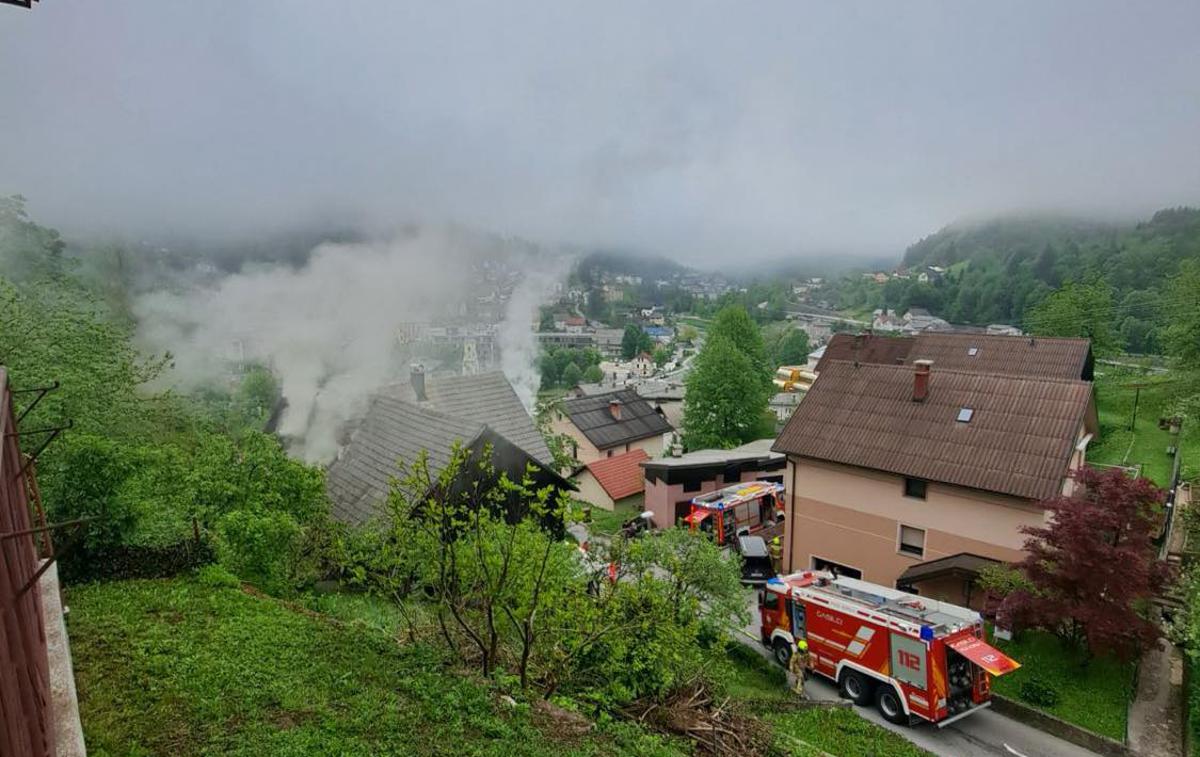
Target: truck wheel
889,705
856,687
783,652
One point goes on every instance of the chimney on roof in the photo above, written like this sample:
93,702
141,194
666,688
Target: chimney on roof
921,379
614,409
417,377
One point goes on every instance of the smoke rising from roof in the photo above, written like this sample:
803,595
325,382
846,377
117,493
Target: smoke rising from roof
329,329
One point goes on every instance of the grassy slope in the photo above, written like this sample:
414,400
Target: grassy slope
608,522
180,668
840,731
1095,697
1146,444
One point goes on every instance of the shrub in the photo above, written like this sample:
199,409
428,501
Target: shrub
260,547
216,577
1038,692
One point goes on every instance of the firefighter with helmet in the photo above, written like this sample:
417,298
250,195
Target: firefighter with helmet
776,551
799,664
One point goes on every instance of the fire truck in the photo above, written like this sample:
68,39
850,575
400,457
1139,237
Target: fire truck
737,510
913,658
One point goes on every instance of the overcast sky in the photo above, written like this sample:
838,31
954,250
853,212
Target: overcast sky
701,130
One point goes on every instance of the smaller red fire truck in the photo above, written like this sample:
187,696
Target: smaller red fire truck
914,658
737,510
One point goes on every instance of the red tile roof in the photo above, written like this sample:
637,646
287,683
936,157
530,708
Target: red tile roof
1018,440
621,475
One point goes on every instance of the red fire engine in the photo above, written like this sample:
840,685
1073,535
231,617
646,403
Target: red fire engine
914,658
737,510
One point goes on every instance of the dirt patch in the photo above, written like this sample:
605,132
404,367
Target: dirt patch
559,723
717,728
286,720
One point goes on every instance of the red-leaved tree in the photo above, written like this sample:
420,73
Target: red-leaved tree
1093,570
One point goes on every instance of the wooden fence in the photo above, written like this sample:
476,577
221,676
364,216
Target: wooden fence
26,728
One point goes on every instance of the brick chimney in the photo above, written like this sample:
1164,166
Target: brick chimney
417,377
614,408
921,379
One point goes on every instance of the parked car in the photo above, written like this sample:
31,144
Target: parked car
757,567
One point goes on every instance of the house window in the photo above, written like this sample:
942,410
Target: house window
912,541
609,453
973,351
691,484
965,414
845,571
914,487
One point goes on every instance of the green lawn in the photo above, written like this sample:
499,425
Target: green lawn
839,731
183,667
758,683
751,677
1146,444
1095,697
608,522
696,322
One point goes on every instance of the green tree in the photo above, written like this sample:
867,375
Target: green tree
1181,307
635,341
790,347
571,375
593,374
1079,310
662,356
726,397
28,252
735,324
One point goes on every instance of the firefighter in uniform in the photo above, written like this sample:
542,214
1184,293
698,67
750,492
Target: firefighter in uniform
799,664
776,551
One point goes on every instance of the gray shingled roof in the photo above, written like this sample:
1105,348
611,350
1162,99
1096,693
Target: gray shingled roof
487,398
639,420
392,431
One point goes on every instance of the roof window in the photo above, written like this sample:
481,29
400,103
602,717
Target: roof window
972,351
965,414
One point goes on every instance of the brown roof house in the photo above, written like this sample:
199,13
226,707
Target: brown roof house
429,415
1043,357
894,469
611,424
611,481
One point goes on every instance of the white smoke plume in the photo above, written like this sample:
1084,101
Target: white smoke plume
518,345
329,329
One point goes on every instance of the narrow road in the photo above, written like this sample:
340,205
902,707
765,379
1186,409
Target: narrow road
983,734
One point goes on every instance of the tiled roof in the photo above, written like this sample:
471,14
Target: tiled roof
488,399
591,415
393,431
865,348
1018,441
1043,357
622,475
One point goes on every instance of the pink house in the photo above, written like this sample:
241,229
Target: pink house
916,477
672,482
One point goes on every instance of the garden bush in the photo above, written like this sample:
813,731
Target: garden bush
1037,691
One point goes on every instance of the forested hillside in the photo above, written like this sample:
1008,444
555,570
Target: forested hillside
1003,270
